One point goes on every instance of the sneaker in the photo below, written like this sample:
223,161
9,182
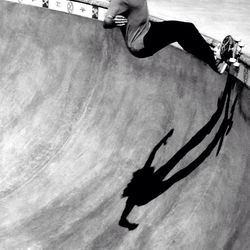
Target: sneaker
216,51
221,66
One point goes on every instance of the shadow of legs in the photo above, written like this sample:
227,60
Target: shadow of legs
124,221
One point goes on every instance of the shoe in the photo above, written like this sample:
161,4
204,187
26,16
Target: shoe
221,66
216,50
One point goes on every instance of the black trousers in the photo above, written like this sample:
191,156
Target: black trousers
186,34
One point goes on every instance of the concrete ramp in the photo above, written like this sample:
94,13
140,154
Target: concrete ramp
79,115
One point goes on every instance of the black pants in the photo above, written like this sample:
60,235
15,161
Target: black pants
186,34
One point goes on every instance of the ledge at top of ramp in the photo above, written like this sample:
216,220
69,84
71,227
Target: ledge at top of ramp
79,115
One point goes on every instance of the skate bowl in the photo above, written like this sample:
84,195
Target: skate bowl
79,115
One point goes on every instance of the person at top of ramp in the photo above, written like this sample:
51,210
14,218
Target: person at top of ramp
144,37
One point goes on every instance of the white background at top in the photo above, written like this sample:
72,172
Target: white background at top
215,18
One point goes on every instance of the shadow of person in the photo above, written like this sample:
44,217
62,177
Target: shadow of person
147,184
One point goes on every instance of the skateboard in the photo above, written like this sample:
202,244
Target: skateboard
231,50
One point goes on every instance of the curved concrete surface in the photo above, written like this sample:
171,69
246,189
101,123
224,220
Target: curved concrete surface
79,115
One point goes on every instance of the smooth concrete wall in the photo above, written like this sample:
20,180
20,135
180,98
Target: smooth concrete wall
79,114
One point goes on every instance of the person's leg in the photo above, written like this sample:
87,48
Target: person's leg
186,34
123,220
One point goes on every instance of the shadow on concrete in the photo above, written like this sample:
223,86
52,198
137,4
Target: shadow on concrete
244,101
147,184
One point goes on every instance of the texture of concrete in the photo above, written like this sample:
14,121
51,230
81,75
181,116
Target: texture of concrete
79,114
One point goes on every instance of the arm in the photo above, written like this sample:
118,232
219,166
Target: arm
111,22
156,148
113,17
